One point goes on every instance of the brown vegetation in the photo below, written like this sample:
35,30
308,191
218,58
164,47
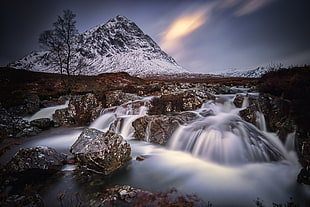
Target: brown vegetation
292,84
15,84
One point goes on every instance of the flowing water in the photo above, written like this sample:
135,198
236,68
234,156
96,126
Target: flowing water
46,112
219,157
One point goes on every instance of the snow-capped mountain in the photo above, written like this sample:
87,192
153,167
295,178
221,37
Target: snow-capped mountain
116,46
253,73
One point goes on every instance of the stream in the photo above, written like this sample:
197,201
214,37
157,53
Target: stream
219,157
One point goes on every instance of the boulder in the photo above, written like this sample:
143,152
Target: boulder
84,109
37,159
62,117
31,200
275,110
188,100
29,104
13,126
304,176
116,98
159,128
43,123
122,195
101,152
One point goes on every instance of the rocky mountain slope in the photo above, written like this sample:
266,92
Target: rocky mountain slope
116,46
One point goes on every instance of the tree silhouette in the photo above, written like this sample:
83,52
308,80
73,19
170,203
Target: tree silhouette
62,47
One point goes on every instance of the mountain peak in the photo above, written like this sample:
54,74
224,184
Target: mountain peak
116,46
120,18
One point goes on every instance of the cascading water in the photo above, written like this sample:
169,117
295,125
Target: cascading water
47,112
120,118
223,137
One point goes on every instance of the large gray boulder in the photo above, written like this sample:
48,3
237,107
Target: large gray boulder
41,158
101,152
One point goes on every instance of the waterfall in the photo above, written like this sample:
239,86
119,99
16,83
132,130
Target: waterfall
103,122
290,141
47,112
223,137
120,118
245,102
260,121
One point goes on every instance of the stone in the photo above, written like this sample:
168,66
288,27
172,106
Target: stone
30,104
42,159
178,101
116,98
84,109
62,117
32,200
304,176
158,129
14,126
43,123
101,152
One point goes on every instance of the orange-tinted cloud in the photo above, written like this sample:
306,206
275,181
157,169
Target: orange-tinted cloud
181,27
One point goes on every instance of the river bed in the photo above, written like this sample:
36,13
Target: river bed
227,183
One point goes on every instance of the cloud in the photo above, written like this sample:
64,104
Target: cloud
182,26
185,24
250,6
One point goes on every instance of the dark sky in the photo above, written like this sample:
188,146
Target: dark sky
203,36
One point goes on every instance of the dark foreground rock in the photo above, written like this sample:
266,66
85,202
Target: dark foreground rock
32,200
14,126
125,195
43,123
304,176
101,152
38,159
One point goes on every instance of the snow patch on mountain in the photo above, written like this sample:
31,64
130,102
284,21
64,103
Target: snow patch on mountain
116,46
252,73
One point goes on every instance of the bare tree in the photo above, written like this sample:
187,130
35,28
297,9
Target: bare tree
62,47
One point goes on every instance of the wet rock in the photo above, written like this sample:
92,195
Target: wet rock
62,117
116,98
276,112
304,176
37,159
158,129
187,100
84,109
125,195
54,101
32,200
28,131
29,105
13,126
140,158
121,196
43,123
101,152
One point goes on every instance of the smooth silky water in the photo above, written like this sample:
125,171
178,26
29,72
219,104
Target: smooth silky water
219,157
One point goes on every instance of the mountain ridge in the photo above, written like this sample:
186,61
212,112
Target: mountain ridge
118,45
